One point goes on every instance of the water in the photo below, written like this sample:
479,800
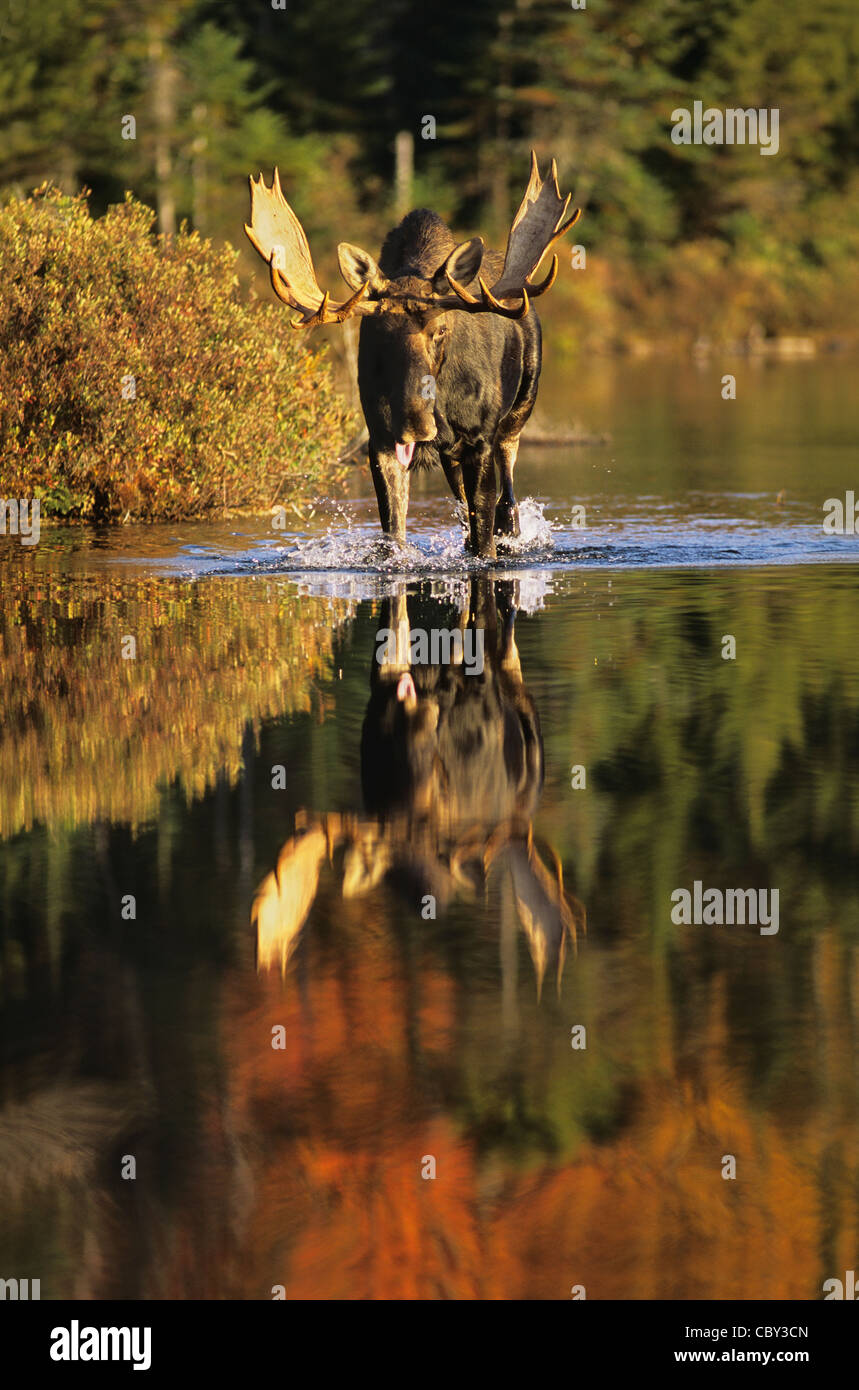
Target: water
219,855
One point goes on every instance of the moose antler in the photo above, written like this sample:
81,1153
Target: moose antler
538,224
279,237
276,233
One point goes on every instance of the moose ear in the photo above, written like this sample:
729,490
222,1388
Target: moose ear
463,264
357,267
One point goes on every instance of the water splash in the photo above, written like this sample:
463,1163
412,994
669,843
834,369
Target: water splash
345,553
359,548
535,530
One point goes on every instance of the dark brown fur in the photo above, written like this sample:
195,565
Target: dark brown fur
485,369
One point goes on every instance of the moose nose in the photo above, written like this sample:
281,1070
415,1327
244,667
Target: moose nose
406,693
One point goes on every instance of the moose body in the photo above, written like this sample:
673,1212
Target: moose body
446,375
445,746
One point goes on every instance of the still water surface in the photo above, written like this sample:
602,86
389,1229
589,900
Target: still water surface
284,812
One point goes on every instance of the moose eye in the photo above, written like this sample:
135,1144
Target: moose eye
439,333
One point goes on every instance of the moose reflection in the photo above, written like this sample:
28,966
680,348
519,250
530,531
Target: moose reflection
451,769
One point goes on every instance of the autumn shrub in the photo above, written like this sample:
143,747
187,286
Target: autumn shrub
137,380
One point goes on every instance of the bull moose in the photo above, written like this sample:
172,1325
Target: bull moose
446,374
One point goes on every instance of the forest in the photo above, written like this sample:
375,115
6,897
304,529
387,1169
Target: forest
682,240
145,370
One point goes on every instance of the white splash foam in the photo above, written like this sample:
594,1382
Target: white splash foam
354,549
535,530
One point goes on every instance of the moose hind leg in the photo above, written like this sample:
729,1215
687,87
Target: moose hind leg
478,476
391,481
506,510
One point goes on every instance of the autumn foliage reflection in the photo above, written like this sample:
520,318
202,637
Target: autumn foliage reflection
375,1076
300,1165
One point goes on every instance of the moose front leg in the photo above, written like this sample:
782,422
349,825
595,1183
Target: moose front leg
392,657
478,476
391,481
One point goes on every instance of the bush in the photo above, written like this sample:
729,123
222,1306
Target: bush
135,381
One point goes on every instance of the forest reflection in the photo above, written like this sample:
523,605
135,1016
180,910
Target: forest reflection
407,1036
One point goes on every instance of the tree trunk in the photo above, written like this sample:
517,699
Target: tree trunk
163,96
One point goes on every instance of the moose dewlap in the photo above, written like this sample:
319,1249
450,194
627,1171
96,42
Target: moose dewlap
448,366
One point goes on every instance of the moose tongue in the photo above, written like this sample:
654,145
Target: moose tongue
404,453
